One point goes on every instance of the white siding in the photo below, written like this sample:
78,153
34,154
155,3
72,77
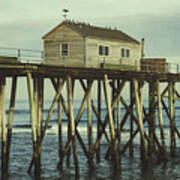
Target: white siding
76,48
93,59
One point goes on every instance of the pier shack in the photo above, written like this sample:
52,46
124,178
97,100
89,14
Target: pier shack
109,83
72,44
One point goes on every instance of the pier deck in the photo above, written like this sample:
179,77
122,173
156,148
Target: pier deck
111,82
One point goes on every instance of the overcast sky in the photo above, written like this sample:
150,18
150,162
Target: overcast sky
23,23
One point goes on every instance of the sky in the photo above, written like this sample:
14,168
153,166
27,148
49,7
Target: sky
23,23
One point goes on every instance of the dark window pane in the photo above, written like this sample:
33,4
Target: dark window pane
127,53
64,49
122,52
106,51
100,50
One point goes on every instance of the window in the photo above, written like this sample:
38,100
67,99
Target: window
106,51
100,50
122,52
64,49
103,50
127,53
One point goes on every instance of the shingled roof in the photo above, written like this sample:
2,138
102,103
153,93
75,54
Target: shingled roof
87,30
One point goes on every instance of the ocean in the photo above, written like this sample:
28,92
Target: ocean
131,168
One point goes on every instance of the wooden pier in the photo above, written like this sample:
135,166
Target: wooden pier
110,84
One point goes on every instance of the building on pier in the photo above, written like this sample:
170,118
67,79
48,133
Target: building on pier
73,44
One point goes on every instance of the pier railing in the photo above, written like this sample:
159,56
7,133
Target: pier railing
37,56
22,55
161,68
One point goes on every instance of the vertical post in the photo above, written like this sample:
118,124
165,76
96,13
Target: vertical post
113,96
119,124
33,123
172,116
40,102
161,125
140,86
60,164
132,99
111,122
3,127
71,118
98,156
140,121
89,104
152,115
10,119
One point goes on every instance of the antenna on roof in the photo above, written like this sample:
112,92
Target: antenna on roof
65,12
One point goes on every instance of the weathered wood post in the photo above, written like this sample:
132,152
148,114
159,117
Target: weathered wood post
111,122
71,118
3,128
40,99
60,140
10,119
89,126
152,115
161,124
132,101
118,124
98,154
33,117
172,116
140,121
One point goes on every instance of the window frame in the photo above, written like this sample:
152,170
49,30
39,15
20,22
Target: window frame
122,52
128,53
64,49
103,50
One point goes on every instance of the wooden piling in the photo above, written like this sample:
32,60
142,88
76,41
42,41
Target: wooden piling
118,124
140,121
132,100
98,156
89,126
60,140
71,118
10,119
33,114
161,124
40,102
172,117
3,128
111,122
152,115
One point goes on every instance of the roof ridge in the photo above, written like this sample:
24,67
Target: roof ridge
86,29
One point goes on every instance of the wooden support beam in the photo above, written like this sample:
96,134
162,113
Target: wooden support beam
55,85
98,154
118,131
140,121
132,101
40,102
140,87
152,117
10,119
3,128
33,116
172,117
78,116
89,125
44,129
106,117
72,122
111,122
60,140
161,124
